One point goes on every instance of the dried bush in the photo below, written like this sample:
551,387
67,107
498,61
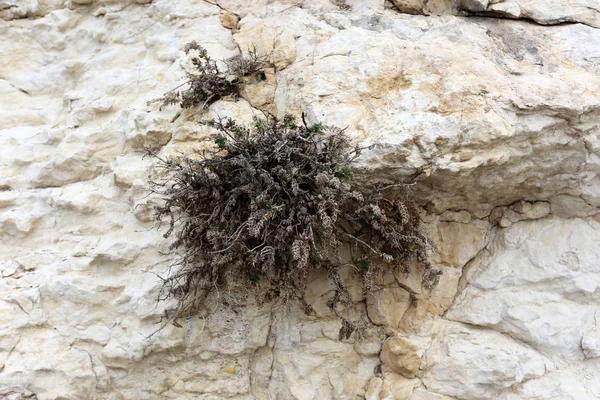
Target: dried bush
206,84
342,5
269,204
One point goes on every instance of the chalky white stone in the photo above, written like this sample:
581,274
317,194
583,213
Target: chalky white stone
496,119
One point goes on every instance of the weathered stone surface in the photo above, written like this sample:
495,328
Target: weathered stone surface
545,12
580,382
423,394
523,210
435,7
419,106
391,387
401,356
387,306
590,343
457,243
537,285
478,364
496,119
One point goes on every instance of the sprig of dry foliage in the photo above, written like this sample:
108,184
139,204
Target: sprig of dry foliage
271,203
206,84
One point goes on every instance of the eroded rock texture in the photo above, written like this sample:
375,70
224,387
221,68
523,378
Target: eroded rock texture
495,118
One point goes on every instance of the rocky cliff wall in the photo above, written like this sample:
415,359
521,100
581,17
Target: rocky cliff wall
492,107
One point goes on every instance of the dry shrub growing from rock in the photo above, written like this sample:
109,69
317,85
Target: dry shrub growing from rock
206,84
269,204
342,5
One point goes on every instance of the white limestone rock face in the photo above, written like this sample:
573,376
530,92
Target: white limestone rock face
546,12
496,120
472,123
478,364
537,282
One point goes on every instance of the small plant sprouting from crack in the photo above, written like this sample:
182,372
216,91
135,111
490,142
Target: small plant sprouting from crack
206,84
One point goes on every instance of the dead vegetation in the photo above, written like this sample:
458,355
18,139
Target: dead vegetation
272,202
207,84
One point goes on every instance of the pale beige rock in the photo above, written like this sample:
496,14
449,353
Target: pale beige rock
545,12
370,347
423,394
284,51
443,294
374,389
546,300
395,387
455,216
590,343
230,21
328,77
387,306
567,206
580,382
260,93
477,359
436,7
420,317
457,243
391,387
401,356
255,33
523,210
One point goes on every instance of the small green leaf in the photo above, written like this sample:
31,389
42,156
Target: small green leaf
363,264
317,128
344,173
220,141
289,121
259,124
